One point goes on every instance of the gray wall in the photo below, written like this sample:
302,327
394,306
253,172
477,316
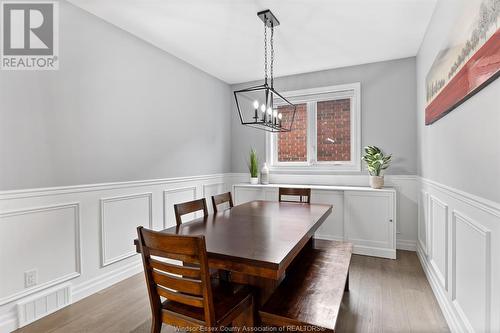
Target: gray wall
118,109
387,110
461,150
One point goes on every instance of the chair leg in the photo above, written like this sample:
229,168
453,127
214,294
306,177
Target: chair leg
156,324
250,317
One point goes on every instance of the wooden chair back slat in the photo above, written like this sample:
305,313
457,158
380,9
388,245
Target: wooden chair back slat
181,298
180,284
189,272
220,199
178,320
181,257
304,194
163,278
189,207
173,244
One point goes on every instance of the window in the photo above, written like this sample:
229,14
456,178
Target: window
326,131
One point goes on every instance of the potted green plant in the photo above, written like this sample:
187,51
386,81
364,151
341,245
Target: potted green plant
253,167
376,162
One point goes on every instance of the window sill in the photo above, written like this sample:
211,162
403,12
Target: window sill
312,169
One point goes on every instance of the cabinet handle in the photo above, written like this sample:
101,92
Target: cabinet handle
390,220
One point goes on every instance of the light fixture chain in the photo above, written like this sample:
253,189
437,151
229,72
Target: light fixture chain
272,55
265,52
271,119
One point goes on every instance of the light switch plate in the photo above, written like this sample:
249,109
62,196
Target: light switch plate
30,278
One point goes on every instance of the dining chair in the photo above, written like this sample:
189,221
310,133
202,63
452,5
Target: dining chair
193,299
304,194
189,207
219,199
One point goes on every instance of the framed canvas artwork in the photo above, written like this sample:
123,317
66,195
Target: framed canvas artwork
468,62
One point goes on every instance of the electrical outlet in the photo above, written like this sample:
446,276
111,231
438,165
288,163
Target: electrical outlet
30,278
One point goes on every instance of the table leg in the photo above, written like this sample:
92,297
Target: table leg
224,275
264,287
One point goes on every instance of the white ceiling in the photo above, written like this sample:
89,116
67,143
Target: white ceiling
225,37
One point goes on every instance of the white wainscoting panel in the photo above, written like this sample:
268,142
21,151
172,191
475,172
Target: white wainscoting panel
248,194
471,265
41,229
45,239
120,217
423,218
462,234
212,189
439,239
175,196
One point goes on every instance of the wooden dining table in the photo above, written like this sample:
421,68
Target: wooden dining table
255,242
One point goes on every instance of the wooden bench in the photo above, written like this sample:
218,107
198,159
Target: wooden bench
311,294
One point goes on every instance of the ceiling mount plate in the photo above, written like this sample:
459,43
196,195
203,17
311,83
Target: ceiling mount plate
268,18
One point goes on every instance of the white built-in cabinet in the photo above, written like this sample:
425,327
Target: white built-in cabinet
361,215
369,221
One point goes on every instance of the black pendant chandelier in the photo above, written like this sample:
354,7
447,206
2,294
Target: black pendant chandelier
261,106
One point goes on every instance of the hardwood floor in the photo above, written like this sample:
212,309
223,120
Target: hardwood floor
389,296
385,296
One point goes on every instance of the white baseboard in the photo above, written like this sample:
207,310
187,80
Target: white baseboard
406,244
8,322
104,281
363,250
401,244
444,303
374,251
328,237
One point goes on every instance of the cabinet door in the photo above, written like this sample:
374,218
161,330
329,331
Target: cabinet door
333,226
244,194
369,222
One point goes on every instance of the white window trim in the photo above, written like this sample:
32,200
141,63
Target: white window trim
352,91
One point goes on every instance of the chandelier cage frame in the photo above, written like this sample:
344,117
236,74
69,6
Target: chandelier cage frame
263,113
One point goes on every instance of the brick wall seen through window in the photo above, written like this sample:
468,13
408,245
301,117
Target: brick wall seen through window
292,146
333,123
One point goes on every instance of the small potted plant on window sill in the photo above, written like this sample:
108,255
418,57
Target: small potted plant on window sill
253,167
376,162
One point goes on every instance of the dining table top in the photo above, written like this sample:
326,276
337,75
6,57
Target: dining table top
259,237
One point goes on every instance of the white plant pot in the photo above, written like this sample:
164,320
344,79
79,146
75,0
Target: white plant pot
254,180
377,182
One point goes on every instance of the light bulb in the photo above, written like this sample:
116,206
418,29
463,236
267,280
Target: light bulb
280,116
269,111
275,113
255,104
263,108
